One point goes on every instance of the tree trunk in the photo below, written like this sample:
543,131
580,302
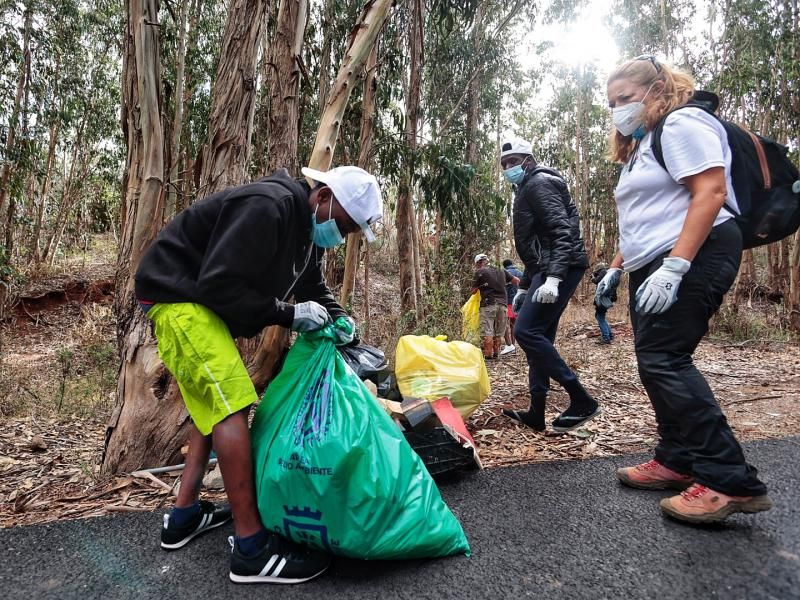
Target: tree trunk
325,53
405,213
364,152
5,174
793,302
65,205
226,154
261,123
149,424
36,246
286,55
746,280
287,46
362,40
186,161
177,121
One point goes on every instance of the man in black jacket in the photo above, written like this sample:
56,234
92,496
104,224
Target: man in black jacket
548,240
223,268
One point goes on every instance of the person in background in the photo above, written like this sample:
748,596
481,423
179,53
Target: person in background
602,304
511,291
548,239
225,268
491,283
682,252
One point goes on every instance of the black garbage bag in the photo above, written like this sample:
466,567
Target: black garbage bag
367,361
387,386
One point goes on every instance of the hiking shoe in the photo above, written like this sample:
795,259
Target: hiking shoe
208,517
565,422
280,561
700,504
652,475
508,349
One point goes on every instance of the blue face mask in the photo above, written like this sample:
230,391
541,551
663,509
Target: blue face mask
325,234
640,132
514,174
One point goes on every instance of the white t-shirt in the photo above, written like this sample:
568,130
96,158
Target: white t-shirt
652,202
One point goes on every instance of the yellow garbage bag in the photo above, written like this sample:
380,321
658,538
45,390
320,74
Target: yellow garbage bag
471,318
430,368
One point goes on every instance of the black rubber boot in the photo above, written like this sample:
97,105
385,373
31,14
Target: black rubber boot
533,417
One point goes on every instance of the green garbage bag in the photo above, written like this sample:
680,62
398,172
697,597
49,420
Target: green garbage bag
334,472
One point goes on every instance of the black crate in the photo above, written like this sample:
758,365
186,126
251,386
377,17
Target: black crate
441,451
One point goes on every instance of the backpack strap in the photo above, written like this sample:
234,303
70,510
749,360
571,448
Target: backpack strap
658,130
762,159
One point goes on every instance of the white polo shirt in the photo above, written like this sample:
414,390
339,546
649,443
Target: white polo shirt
652,202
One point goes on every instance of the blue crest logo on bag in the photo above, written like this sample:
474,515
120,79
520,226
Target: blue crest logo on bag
304,526
314,417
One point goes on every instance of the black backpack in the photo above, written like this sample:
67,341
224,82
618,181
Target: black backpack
766,183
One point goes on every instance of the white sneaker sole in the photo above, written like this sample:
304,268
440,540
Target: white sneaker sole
193,535
274,580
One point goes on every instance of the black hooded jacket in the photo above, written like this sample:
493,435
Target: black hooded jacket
238,252
547,232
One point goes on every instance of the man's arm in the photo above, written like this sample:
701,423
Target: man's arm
513,279
524,230
551,210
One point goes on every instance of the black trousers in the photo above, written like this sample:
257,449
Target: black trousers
694,435
535,331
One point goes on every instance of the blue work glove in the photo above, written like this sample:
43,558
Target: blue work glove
607,286
660,291
547,293
309,316
518,301
345,330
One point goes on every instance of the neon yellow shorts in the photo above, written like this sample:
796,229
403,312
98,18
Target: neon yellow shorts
197,348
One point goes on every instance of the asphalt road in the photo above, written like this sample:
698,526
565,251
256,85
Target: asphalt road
558,530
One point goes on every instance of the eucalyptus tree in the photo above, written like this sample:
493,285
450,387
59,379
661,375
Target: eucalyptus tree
755,70
58,89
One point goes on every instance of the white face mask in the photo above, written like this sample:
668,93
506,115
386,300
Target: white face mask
628,118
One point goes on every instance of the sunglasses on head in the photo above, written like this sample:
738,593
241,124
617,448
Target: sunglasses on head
652,59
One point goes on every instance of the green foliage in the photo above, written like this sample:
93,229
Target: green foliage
740,324
447,290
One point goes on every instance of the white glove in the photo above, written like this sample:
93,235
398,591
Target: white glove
309,316
606,286
660,291
547,293
345,330
519,300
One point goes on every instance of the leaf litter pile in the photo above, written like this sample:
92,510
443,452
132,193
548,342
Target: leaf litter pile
49,467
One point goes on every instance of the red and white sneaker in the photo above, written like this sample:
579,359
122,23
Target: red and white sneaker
700,504
652,475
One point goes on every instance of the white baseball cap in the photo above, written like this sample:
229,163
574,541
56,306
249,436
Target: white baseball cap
480,257
515,146
357,192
